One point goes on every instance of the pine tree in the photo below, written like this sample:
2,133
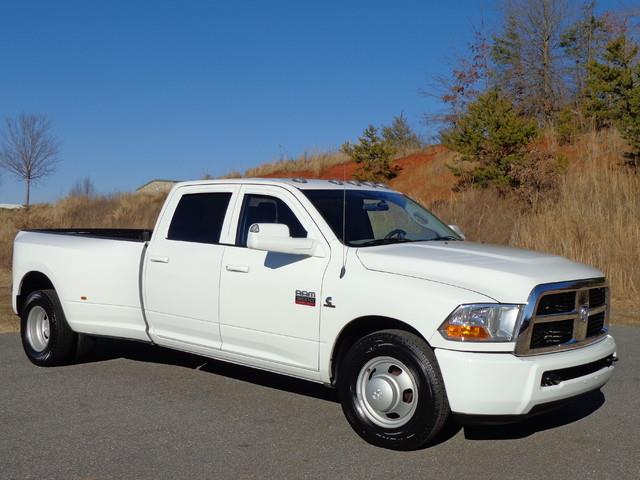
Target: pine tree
490,137
373,155
400,136
613,93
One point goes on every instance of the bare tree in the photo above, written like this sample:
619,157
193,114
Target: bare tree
467,78
585,41
28,149
83,188
528,54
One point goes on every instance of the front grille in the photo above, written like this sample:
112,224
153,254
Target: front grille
597,297
557,303
595,325
562,316
549,334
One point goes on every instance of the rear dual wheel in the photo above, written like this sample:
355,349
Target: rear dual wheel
392,391
47,339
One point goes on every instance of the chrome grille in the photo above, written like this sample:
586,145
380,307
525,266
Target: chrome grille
551,333
563,316
597,297
596,324
556,303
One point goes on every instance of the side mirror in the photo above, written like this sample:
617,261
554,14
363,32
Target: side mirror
458,230
275,237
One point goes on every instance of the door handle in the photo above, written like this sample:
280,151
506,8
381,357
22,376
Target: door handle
237,268
158,259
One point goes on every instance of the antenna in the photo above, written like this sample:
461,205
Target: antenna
343,270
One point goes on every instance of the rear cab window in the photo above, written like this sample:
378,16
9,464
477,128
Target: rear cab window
199,217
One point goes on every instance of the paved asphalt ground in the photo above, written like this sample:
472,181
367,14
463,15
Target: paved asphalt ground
134,411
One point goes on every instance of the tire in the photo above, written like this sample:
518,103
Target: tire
391,390
47,339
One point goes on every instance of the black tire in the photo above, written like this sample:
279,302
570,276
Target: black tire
432,407
61,346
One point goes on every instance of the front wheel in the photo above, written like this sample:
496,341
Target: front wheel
47,339
392,391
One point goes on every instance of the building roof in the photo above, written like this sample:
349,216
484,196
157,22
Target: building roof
156,180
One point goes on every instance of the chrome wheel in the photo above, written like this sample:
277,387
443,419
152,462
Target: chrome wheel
386,392
38,328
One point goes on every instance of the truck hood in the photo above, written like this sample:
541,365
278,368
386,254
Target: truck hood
505,274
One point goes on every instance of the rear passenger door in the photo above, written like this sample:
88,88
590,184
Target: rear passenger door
182,267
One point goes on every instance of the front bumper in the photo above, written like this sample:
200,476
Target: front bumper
504,384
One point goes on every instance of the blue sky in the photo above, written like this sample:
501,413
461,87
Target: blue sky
141,90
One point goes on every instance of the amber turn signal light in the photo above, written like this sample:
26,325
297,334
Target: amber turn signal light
463,332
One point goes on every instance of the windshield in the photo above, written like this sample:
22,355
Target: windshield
377,217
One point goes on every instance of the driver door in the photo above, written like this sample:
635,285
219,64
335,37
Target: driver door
270,302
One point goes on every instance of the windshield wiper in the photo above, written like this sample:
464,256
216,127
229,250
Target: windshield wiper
444,237
389,241
384,241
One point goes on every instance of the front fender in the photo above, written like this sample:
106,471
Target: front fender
421,304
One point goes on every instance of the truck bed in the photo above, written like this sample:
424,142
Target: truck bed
96,273
128,234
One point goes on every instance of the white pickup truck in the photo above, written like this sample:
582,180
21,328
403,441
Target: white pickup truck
349,284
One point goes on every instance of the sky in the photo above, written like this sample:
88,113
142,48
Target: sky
142,90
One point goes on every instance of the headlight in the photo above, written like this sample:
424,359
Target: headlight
479,322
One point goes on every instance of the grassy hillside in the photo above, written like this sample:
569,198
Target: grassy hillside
595,218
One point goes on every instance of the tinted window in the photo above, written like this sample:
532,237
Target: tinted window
199,217
265,209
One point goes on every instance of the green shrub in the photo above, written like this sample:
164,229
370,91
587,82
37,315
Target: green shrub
567,125
373,155
490,136
400,136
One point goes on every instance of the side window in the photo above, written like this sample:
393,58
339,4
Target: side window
199,217
265,209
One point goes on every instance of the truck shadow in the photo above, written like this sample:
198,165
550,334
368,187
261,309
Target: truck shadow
105,349
572,412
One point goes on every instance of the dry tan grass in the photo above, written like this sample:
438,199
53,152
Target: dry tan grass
424,176
8,321
483,215
308,163
596,219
